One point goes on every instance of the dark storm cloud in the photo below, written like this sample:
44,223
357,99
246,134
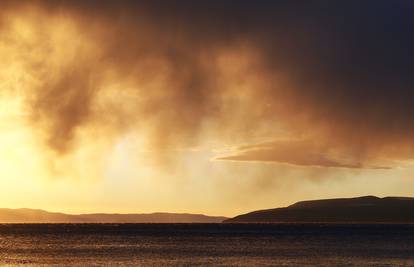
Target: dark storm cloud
348,67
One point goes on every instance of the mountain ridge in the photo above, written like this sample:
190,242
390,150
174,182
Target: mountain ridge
368,209
25,215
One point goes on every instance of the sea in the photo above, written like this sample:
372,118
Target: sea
207,245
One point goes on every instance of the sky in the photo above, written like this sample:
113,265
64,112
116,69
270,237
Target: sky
214,107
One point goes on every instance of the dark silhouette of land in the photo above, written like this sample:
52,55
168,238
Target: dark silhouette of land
41,216
367,209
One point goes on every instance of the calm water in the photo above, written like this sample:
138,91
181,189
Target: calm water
207,244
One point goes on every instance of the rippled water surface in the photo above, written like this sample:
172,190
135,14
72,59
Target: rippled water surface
207,244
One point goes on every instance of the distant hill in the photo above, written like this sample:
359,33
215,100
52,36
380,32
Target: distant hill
41,216
369,209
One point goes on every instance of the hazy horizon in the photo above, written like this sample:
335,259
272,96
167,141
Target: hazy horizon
137,212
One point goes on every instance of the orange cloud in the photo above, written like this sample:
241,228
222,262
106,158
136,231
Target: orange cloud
295,152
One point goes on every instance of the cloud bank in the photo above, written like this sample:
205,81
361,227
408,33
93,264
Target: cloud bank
335,74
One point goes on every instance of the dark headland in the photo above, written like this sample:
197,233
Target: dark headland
367,209
41,216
